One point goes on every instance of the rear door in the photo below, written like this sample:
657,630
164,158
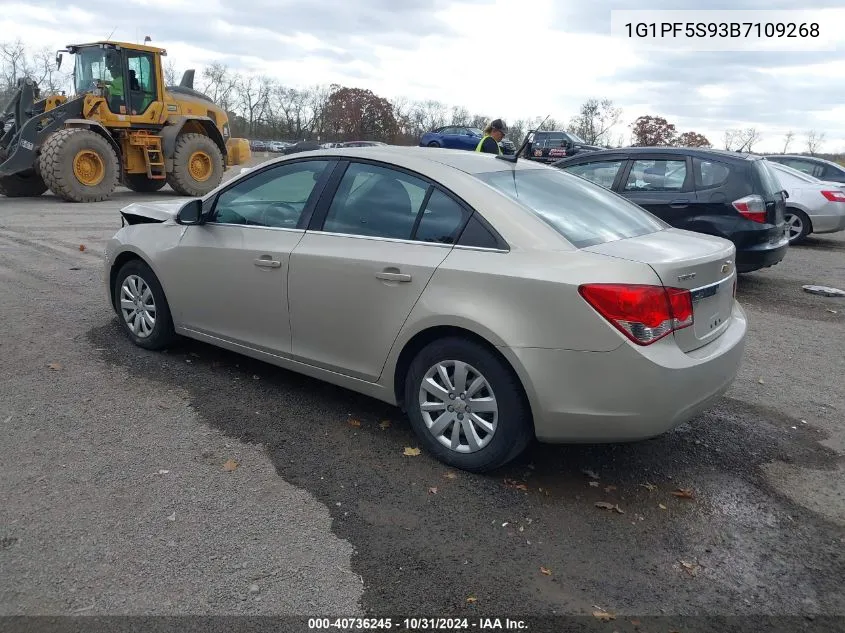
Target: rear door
375,240
662,184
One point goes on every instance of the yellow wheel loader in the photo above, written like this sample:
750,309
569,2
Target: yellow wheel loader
123,126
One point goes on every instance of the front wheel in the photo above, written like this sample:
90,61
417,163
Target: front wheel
467,406
434,144
142,307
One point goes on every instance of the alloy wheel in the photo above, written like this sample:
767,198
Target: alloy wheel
137,306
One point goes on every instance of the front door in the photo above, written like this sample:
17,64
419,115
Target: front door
358,272
242,253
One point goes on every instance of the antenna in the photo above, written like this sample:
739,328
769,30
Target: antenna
112,33
515,157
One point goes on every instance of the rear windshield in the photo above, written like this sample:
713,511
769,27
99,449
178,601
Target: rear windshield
584,213
770,182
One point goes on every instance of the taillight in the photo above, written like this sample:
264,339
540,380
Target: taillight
644,314
834,196
751,207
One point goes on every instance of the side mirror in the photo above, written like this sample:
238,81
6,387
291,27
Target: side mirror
190,213
785,193
59,58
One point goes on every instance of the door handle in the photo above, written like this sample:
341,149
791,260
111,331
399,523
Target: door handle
267,263
388,276
679,204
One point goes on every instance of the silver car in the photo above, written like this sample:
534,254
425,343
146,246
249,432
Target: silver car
813,206
494,301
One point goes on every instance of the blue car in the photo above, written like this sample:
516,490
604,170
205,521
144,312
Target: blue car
460,137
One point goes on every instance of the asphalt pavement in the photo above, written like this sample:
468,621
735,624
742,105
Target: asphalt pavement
200,481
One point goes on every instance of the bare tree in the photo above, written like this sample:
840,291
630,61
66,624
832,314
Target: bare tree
460,116
253,96
595,120
221,84
50,79
748,137
787,140
14,65
171,74
814,141
731,138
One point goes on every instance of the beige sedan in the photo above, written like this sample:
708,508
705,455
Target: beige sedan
494,301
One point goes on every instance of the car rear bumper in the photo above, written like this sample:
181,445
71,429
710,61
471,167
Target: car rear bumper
630,393
828,223
757,256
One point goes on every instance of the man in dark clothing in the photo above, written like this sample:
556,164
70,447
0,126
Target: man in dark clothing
493,135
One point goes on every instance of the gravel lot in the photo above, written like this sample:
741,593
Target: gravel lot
115,499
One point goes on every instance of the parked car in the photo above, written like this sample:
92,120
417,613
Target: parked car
362,144
727,194
301,146
550,146
813,205
816,167
459,137
439,281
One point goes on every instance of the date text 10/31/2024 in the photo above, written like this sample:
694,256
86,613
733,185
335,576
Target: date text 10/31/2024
418,624
723,29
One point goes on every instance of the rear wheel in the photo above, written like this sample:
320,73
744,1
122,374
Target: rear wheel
197,165
799,224
79,165
27,184
466,405
142,184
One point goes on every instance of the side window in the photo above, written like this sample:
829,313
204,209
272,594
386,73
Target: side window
441,219
657,175
600,172
709,174
272,198
478,235
818,171
800,165
142,81
376,201
449,130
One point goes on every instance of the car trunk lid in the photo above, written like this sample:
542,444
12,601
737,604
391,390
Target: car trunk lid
701,264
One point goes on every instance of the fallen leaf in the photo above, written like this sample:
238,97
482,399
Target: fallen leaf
610,488
384,424
450,475
590,474
661,506
82,247
761,382
163,472
604,505
684,493
649,487
433,490
690,568
594,484
230,465
604,616
545,571
354,422
832,311
635,622
472,600
411,452
510,483
172,517
55,366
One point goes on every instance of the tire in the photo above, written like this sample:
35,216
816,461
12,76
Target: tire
181,178
27,184
800,225
79,165
141,275
434,144
142,184
513,430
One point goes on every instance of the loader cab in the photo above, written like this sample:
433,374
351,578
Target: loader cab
127,77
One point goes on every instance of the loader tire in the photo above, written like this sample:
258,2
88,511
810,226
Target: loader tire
142,184
79,165
197,165
27,184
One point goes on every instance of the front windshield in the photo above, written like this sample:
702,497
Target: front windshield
476,131
576,138
584,213
91,68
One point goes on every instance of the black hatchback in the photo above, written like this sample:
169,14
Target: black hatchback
727,194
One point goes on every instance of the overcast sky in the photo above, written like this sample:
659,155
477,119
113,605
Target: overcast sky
507,58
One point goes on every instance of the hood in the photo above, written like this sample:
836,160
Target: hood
141,212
